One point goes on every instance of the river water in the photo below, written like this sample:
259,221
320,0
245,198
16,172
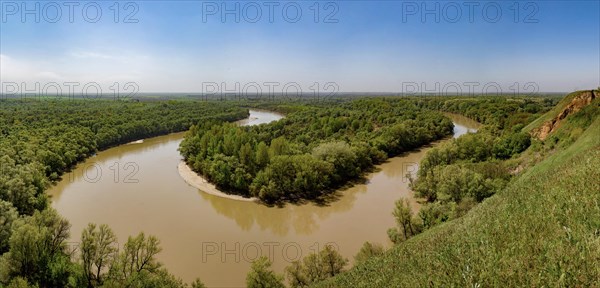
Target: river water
136,187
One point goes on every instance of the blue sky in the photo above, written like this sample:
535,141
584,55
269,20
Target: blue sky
379,46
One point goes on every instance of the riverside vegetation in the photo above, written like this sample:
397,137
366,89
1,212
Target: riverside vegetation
312,151
540,227
33,236
42,139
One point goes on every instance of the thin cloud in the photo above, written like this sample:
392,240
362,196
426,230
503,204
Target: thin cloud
92,55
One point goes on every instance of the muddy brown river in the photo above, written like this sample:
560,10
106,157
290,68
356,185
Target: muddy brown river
136,187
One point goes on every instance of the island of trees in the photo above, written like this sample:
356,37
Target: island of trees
315,149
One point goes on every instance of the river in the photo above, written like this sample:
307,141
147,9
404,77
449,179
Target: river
136,187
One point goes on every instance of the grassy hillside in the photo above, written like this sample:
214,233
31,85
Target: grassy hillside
542,230
555,111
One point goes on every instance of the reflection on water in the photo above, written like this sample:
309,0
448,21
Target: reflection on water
292,218
214,238
463,125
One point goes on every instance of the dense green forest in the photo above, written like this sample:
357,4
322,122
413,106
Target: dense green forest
318,146
42,139
315,149
456,175
539,227
453,178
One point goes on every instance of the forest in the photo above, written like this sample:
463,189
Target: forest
42,139
315,149
539,226
457,175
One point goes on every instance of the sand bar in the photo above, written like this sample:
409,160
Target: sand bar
197,181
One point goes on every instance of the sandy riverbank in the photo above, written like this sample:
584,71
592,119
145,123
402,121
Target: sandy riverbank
197,181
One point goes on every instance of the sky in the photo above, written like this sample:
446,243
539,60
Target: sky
340,46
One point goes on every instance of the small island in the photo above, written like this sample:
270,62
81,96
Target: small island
316,149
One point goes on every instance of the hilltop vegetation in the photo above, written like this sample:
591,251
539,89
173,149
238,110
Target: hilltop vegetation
456,175
540,230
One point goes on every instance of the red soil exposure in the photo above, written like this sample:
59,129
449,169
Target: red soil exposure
580,101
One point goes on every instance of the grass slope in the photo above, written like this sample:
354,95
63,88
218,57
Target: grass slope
554,112
542,230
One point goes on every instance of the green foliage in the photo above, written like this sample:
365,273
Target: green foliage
435,213
495,112
350,137
19,282
367,251
407,226
138,256
540,230
315,267
134,266
98,250
511,144
261,275
324,145
470,167
22,185
40,140
262,155
297,176
467,167
38,251
198,284
8,215
341,156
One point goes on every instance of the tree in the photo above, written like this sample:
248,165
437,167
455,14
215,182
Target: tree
279,146
245,155
341,156
22,185
296,176
315,267
159,278
407,225
261,275
8,215
511,144
98,249
367,251
425,186
38,251
333,262
198,284
137,259
352,137
18,282
262,155
296,275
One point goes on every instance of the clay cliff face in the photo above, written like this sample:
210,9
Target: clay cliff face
580,101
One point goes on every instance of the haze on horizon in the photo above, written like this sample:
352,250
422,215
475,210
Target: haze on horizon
360,46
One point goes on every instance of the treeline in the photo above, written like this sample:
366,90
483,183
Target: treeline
311,269
40,257
42,139
458,174
316,148
496,112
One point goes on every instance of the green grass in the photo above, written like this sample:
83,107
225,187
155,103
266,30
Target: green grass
542,230
551,114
